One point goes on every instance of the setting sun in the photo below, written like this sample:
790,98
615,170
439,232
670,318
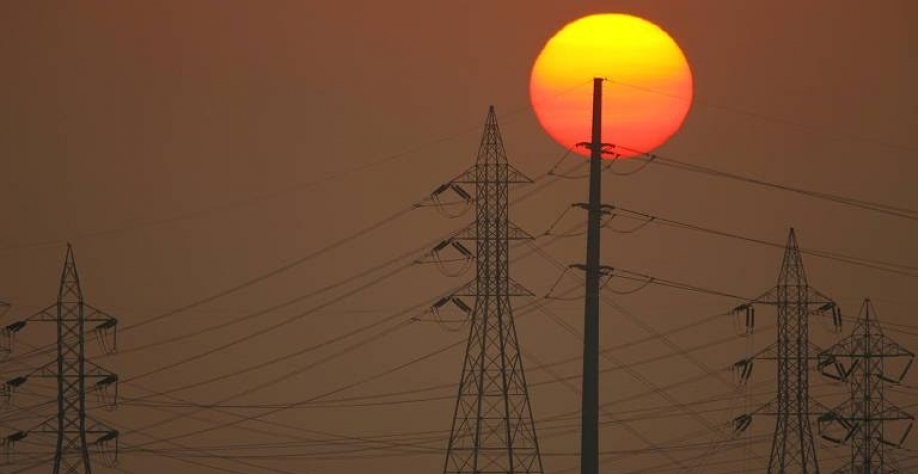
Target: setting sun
648,91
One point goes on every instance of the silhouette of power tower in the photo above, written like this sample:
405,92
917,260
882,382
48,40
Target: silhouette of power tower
792,448
493,429
75,375
867,360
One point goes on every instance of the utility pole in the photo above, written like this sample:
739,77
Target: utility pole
792,448
493,429
589,434
867,360
75,375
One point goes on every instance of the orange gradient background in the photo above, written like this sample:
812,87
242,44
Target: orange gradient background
647,94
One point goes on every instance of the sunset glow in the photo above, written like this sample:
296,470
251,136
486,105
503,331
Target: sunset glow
645,100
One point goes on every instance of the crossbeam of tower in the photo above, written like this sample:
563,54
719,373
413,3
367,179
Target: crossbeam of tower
868,361
792,448
75,433
493,429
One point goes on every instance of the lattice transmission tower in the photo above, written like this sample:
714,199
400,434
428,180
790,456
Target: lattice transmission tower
493,429
867,360
75,433
792,450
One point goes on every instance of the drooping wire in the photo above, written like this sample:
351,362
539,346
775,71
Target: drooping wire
895,211
638,169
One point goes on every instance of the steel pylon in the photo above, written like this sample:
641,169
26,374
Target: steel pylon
75,433
793,450
867,360
493,429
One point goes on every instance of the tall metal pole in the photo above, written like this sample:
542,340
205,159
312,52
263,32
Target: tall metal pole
589,434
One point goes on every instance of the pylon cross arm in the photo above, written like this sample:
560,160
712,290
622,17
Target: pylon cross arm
93,314
814,298
514,232
514,176
48,314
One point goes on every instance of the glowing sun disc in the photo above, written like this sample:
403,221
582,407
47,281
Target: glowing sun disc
647,94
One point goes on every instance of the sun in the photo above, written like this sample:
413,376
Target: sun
647,94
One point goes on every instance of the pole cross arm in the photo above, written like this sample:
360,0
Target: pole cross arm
604,270
604,209
606,148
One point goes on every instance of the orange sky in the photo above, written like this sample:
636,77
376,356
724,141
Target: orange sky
185,147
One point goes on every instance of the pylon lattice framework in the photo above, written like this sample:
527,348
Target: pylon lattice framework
493,429
866,360
792,450
72,370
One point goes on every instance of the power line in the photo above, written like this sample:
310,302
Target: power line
901,212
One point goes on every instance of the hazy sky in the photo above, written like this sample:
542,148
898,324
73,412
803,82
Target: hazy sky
185,147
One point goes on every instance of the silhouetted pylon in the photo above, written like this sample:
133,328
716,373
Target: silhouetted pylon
792,450
867,360
493,429
76,376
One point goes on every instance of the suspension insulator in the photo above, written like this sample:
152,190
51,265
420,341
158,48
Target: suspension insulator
742,422
106,335
108,436
442,245
6,337
15,327
899,442
825,423
106,390
107,447
461,305
462,249
837,318
461,192
442,301
901,375
110,323
108,380
831,367
440,189
748,312
743,370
